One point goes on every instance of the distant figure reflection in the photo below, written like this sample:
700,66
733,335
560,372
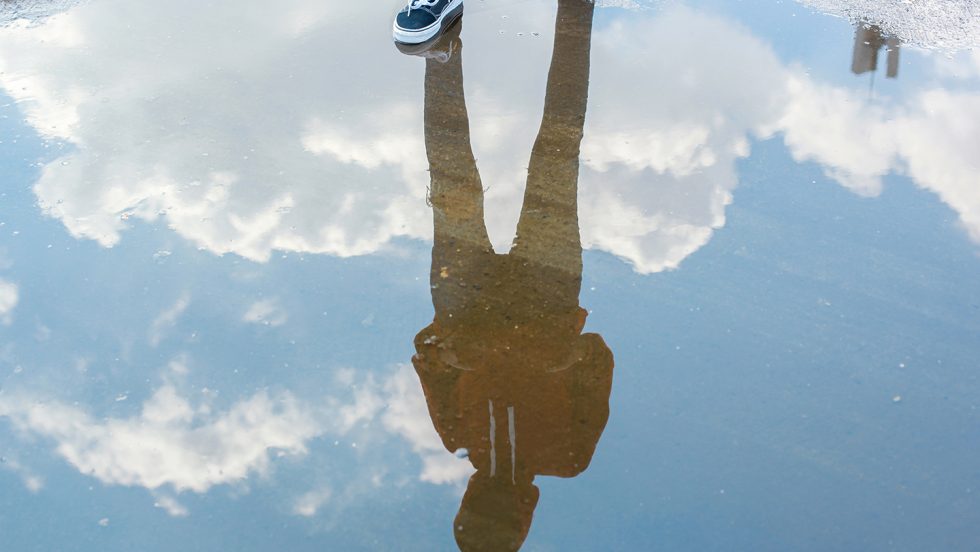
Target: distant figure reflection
506,371
868,41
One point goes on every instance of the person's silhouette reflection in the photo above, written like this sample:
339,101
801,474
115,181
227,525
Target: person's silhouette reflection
868,41
506,371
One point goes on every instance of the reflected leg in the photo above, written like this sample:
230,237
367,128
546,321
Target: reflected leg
456,192
548,229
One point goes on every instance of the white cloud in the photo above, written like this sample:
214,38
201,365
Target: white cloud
377,410
174,445
267,312
659,159
367,403
170,505
167,320
170,443
348,184
840,131
9,297
931,138
408,416
963,65
32,482
308,504
247,190
938,140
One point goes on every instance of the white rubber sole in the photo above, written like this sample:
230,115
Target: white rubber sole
418,36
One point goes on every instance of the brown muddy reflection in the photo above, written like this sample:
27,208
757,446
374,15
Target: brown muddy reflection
506,371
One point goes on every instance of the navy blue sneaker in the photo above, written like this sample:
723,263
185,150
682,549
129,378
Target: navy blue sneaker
441,48
422,20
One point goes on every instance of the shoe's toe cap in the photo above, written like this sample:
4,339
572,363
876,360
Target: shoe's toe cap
414,20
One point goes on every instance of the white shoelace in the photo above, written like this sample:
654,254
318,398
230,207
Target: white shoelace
420,4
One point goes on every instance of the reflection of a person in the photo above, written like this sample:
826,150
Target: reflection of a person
506,371
868,41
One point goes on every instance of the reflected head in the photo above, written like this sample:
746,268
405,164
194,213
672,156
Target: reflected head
495,514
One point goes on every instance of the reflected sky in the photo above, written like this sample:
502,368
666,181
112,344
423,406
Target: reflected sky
251,165
217,245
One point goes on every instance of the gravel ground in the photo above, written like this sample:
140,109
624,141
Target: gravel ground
934,24
31,10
